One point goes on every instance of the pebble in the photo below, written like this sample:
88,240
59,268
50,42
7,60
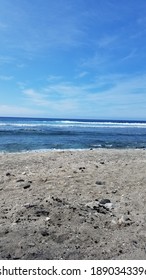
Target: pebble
113,222
19,180
108,206
124,221
99,183
31,244
101,205
104,201
28,205
93,205
44,233
47,219
26,186
114,191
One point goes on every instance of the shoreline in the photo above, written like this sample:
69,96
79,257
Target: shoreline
73,204
70,150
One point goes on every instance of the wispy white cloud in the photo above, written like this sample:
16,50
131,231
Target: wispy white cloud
80,42
53,78
108,41
6,78
48,104
123,89
107,94
9,110
82,74
130,55
4,59
95,61
36,97
22,85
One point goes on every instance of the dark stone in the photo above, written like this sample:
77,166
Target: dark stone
57,199
82,168
20,180
101,210
96,208
120,251
41,212
26,186
8,174
8,257
115,191
44,233
96,226
99,183
104,201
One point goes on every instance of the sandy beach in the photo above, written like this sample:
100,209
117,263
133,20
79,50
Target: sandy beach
81,204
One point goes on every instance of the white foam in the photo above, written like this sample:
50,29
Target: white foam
66,123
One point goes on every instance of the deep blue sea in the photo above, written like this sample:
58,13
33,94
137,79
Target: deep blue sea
27,134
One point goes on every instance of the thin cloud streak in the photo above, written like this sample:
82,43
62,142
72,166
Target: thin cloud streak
123,92
9,110
6,78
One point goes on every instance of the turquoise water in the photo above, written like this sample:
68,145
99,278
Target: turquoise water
27,134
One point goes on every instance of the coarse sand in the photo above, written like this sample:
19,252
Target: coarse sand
81,204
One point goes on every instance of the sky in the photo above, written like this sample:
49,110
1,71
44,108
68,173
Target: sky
73,59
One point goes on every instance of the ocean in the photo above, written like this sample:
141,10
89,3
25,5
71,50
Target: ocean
28,134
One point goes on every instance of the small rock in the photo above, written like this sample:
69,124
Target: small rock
19,180
120,251
104,201
113,222
26,186
102,210
8,257
92,205
114,191
28,205
31,245
44,233
47,219
8,174
135,243
56,199
108,206
99,183
82,169
126,221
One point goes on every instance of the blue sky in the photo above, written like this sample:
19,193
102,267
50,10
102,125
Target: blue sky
73,58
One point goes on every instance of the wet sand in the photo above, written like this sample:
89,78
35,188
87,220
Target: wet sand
88,204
